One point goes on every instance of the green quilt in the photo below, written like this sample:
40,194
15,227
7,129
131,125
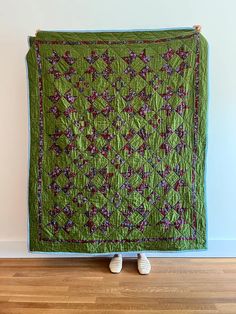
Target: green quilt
117,141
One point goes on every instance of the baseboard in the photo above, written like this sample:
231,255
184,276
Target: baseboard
216,248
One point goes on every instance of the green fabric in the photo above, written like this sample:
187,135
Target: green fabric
117,141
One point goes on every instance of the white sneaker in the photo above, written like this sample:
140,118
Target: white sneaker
116,264
144,266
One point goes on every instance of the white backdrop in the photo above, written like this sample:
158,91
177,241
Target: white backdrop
19,19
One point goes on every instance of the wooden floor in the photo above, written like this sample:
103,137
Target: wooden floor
82,285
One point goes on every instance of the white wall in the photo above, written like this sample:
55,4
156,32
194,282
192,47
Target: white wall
18,19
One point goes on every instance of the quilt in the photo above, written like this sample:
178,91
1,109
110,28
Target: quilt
117,141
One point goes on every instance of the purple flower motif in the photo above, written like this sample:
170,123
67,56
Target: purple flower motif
106,58
168,94
68,211
105,226
144,110
55,226
69,73
93,57
181,68
130,71
144,57
55,97
68,96
57,74
55,211
68,226
54,58
143,73
68,59
54,110
182,53
129,59
166,223
56,148
181,92
168,54
56,172
55,188
141,226
167,68
179,223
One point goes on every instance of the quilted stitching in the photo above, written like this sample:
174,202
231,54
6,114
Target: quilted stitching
117,141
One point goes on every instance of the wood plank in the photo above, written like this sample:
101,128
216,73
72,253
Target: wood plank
85,285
